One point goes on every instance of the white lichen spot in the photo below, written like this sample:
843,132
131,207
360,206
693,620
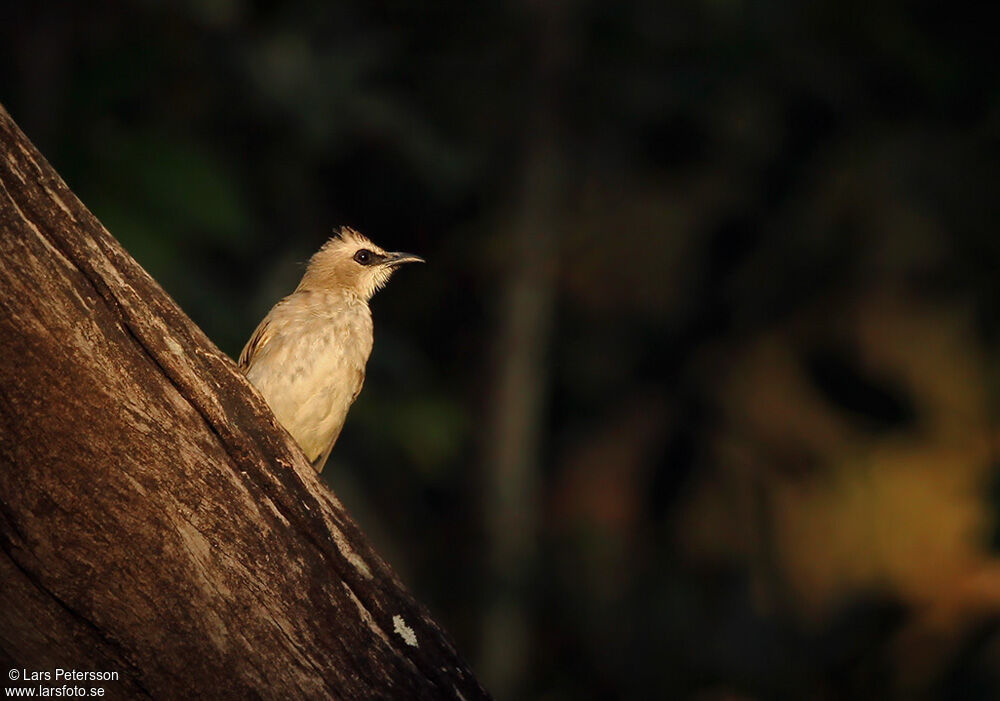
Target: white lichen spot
404,631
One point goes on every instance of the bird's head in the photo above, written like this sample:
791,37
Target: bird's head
352,263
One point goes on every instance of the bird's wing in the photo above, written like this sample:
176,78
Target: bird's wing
319,462
257,341
361,383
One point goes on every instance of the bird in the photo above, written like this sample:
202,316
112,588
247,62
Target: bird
308,356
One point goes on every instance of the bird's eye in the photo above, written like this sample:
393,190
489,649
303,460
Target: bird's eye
364,256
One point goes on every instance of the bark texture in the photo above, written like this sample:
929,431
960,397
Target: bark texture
154,518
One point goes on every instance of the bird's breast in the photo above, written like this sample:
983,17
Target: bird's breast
310,376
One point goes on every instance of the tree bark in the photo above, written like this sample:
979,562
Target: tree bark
155,521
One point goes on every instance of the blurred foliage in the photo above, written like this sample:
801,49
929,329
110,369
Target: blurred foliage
770,465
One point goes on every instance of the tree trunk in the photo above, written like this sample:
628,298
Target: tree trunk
155,521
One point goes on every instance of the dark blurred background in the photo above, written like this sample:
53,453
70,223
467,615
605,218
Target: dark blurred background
697,396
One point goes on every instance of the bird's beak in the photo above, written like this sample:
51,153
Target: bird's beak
396,259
